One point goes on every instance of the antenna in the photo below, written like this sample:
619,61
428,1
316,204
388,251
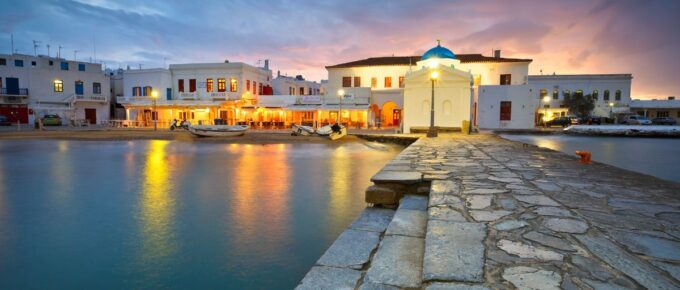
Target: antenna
12,38
59,52
75,54
48,50
94,48
36,44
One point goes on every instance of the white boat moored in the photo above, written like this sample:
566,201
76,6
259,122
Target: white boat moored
218,130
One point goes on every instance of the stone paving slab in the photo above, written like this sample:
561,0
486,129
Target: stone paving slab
398,262
407,222
351,250
403,177
320,277
373,219
454,251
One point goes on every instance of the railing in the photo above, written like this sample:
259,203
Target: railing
90,98
14,92
187,95
319,100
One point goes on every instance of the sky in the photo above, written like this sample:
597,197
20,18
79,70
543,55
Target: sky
302,37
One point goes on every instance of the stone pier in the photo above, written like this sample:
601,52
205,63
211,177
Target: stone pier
481,212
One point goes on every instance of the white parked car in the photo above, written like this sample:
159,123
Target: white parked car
637,120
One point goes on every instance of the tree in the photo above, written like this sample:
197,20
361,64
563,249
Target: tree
579,104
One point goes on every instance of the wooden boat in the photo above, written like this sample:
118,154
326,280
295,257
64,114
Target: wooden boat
337,133
302,130
218,130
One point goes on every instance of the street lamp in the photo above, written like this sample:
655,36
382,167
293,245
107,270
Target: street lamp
341,94
432,132
154,96
611,107
546,100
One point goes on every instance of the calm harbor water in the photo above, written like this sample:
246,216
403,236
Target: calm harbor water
174,215
658,157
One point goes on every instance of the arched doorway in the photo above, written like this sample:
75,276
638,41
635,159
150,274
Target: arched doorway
390,115
375,115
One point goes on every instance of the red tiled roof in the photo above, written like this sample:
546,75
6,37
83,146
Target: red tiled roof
407,60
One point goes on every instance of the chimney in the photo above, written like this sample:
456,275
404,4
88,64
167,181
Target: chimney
670,98
266,64
497,53
278,73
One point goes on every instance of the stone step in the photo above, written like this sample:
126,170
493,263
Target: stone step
399,259
454,251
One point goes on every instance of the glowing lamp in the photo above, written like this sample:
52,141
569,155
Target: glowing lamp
433,63
434,75
546,99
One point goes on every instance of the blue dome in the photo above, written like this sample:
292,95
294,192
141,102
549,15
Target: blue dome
438,52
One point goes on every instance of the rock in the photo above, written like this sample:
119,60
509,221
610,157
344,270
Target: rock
507,204
351,250
402,177
454,251
408,222
537,200
320,277
614,256
479,201
528,278
373,219
546,186
376,286
505,180
649,245
414,202
381,195
597,285
487,216
672,269
440,199
592,267
485,191
398,262
552,211
454,286
445,213
510,225
444,187
549,241
527,251
566,225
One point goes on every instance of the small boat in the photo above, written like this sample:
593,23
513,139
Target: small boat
324,131
218,130
302,130
337,132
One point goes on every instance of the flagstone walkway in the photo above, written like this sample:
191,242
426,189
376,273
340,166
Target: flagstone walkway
504,215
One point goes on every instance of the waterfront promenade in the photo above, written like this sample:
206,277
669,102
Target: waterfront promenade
481,212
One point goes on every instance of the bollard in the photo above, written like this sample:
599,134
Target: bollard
585,156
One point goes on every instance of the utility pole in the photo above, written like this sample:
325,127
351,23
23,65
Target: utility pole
12,39
36,44
48,50
75,54
59,52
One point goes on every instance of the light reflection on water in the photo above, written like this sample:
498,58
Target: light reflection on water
653,156
162,214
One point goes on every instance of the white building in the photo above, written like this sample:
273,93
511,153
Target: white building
33,86
400,87
285,85
198,92
610,91
657,108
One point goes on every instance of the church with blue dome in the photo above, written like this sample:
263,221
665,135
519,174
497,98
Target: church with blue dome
438,52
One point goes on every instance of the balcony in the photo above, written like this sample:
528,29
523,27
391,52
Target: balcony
14,92
85,98
187,95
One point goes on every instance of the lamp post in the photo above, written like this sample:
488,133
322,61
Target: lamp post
341,94
546,100
611,113
432,132
154,115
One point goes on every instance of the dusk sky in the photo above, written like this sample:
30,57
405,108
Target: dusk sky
302,37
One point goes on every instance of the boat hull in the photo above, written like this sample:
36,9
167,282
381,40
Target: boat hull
302,130
337,135
218,130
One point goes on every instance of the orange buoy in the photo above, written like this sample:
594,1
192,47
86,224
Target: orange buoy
585,156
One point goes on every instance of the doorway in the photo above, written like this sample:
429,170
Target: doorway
91,116
396,117
12,86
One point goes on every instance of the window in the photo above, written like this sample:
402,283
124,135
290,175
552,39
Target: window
180,85
33,63
259,89
578,93
606,95
401,82
566,94
221,85
81,67
302,91
556,94
168,94
595,94
96,88
662,114
147,91
3,61
18,63
374,83
617,95
51,63
192,85
248,85
233,85
64,65
357,81
58,86
542,93
506,111
254,87
388,82
346,82
506,79
209,85
136,91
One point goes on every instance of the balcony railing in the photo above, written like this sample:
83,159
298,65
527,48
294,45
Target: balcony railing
13,92
90,98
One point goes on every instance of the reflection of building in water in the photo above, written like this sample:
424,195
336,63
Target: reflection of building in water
61,173
157,205
260,203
